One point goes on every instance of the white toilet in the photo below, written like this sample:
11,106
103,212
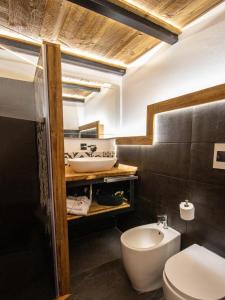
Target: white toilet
194,274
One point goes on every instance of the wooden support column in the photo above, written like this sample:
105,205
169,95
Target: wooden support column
52,69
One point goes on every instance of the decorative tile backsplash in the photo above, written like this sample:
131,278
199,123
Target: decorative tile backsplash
88,154
81,148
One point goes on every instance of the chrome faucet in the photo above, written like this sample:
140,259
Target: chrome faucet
93,148
162,219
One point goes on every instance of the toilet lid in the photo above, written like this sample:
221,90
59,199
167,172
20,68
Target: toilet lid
197,273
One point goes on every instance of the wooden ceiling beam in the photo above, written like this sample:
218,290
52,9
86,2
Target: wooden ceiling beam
129,18
33,48
70,85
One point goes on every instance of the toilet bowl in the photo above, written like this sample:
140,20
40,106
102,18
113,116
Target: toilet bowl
145,249
194,274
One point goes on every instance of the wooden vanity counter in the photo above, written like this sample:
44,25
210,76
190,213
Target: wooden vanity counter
121,170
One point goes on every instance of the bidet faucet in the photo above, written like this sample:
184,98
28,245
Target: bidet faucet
162,219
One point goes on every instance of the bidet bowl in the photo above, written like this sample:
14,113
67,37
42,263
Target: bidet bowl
145,249
92,164
140,238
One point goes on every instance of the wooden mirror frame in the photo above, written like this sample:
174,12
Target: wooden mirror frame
208,95
96,126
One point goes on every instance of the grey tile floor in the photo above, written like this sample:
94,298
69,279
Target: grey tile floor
97,272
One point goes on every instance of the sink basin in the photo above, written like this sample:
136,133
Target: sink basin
92,164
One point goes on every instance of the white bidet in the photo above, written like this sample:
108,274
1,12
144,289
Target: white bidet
145,249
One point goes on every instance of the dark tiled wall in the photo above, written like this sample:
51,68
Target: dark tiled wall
26,265
178,167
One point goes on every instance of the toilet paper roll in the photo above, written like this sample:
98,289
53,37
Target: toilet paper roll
187,211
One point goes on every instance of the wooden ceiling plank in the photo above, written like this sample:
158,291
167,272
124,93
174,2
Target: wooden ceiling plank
136,48
53,19
116,51
180,13
130,19
146,14
109,37
92,33
75,31
26,16
110,42
4,12
194,11
85,30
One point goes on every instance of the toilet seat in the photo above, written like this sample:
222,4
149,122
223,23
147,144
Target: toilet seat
196,273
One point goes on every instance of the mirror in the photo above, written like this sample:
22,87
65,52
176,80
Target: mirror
91,102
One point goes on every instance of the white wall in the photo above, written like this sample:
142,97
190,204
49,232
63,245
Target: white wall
103,145
196,62
73,115
16,65
105,107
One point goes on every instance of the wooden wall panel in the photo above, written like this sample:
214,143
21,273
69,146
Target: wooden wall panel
208,95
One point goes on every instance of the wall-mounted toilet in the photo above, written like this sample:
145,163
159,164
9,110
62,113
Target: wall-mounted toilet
194,274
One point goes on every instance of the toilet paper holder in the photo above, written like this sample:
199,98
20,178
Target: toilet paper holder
187,211
186,203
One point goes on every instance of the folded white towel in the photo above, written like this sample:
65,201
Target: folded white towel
78,205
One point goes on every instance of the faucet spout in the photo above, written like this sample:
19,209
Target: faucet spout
162,219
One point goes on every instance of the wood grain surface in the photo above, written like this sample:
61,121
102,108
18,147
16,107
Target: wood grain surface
53,69
97,209
90,33
121,170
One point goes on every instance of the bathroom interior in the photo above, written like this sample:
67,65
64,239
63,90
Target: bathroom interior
112,160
